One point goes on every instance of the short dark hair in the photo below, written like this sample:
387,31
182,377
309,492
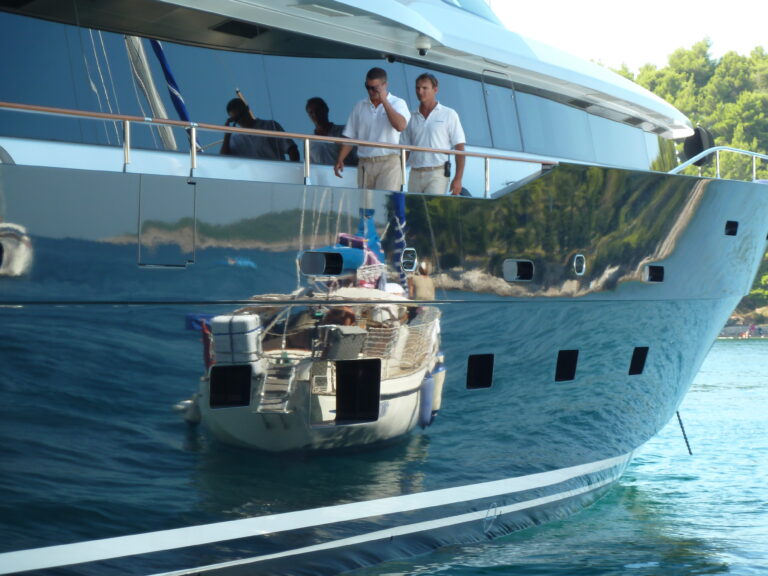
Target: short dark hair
237,105
319,102
376,74
427,76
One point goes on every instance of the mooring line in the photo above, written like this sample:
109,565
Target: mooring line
680,420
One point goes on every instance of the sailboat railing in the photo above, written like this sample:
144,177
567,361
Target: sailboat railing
193,127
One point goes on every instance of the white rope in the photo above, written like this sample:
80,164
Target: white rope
318,216
93,84
104,90
111,81
135,80
301,238
338,216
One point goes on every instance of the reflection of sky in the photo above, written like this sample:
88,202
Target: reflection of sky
52,64
89,70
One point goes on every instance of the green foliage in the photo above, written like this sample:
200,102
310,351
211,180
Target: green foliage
758,296
728,96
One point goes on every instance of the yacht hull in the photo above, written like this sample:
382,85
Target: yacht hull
588,364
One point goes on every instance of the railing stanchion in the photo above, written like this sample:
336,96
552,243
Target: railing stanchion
192,149
717,164
126,144
307,181
403,160
487,177
754,168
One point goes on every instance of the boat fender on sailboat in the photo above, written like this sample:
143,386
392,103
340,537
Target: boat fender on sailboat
425,400
438,375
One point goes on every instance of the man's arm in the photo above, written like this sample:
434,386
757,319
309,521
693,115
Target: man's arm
225,149
397,120
344,151
460,162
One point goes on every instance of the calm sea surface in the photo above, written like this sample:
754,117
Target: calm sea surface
672,513
90,448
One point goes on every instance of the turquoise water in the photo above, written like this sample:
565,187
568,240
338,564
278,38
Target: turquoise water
672,513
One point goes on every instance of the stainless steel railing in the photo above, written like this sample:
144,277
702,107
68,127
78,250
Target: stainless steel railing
716,151
193,127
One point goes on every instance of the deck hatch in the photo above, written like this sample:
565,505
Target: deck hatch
566,365
230,386
358,388
731,228
479,371
637,365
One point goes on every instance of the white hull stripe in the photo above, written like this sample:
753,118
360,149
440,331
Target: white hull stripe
135,544
388,533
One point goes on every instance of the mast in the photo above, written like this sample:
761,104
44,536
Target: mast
143,75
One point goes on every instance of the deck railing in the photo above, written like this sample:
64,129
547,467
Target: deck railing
716,151
192,128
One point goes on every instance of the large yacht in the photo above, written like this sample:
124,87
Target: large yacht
580,280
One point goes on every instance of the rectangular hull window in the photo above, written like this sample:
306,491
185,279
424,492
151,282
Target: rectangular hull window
358,386
638,360
654,274
479,371
230,386
566,365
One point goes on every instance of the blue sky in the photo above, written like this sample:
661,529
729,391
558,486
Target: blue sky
613,32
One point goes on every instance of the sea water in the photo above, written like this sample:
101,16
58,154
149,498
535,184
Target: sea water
91,453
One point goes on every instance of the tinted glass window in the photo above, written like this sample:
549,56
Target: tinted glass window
661,153
89,70
341,83
554,129
505,130
618,144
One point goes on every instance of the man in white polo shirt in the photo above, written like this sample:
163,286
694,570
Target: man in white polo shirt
379,118
433,126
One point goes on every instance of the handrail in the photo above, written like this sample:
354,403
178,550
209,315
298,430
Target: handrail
716,150
193,127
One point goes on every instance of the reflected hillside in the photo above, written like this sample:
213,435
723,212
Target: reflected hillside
615,218
274,231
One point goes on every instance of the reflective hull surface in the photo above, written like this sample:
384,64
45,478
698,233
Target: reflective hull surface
596,293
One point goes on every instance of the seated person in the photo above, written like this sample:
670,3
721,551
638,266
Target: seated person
250,145
342,315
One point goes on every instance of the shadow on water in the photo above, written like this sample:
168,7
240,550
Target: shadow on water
243,483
